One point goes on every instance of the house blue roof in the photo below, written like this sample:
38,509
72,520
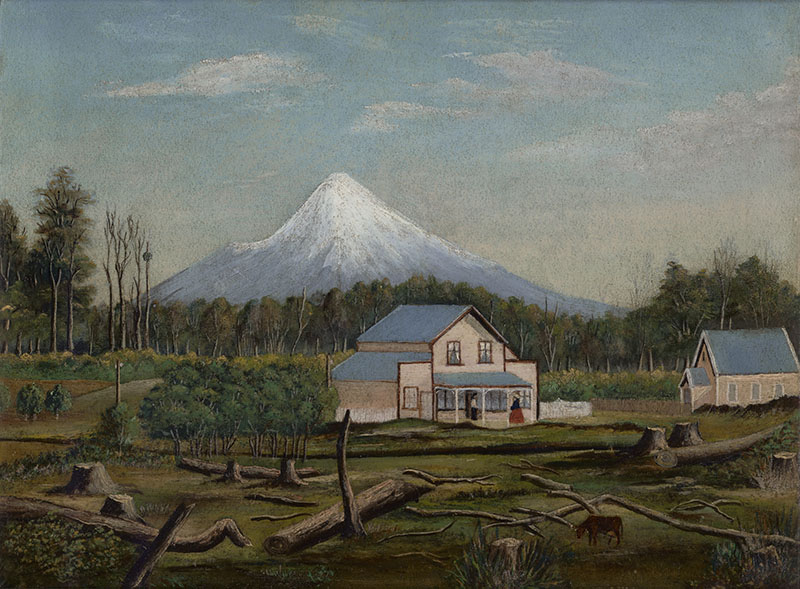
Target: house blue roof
751,351
697,377
375,365
413,323
479,379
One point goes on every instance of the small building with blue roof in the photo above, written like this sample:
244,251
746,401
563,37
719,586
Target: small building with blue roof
436,362
741,367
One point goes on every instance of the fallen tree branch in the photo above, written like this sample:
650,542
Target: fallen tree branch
276,518
17,508
437,480
695,504
427,555
577,499
526,464
378,500
281,500
545,514
461,513
247,472
545,483
406,534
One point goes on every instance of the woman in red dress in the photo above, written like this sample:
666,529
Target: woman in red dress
516,412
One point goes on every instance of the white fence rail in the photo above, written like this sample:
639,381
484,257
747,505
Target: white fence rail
559,409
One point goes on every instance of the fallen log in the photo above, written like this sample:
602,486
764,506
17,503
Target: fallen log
712,451
545,483
437,480
134,532
247,472
280,500
378,500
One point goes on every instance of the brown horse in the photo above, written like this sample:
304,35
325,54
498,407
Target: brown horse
599,524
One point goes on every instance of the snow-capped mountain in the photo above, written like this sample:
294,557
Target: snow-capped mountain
341,235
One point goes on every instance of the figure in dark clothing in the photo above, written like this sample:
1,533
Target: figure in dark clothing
516,412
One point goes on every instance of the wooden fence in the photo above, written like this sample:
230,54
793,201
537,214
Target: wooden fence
642,406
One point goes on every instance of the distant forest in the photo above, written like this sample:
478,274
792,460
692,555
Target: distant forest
46,304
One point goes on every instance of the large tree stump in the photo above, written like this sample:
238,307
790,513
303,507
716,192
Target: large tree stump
784,464
233,472
288,475
508,551
90,478
685,434
121,506
653,439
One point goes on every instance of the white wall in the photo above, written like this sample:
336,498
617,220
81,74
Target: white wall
559,409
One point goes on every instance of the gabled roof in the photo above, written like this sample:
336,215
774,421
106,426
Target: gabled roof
375,365
697,377
479,379
750,351
421,323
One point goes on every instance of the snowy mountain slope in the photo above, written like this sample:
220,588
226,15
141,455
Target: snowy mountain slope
341,235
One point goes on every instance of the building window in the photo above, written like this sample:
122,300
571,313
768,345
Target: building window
454,353
755,391
731,392
445,400
778,390
524,398
410,397
495,400
485,352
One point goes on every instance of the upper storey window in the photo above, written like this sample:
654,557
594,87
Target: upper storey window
454,353
485,352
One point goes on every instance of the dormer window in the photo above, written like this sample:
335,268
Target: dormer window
454,353
484,352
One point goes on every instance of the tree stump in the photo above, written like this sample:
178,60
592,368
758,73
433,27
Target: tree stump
784,468
508,551
233,472
653,439
121,506
288,475
90,478
685,434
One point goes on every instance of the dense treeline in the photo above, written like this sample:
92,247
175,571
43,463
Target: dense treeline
660,331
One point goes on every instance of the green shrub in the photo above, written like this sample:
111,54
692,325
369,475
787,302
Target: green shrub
118,428
476,570
30,401
50,551
5,397
58,400
575,385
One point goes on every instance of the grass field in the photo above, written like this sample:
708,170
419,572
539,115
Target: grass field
651,554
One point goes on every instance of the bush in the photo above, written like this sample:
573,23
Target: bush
575,385
50,551
58,400
475,570
30,401
5,397
118,428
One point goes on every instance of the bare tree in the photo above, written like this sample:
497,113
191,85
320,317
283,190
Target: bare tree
726,260
147,256
122,257
109,231
301,324
138,240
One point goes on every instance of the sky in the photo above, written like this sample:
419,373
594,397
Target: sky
579,144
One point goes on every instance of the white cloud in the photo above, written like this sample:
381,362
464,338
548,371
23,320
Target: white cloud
539,73
255,72
384,117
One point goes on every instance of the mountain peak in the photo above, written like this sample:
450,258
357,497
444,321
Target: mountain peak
343,234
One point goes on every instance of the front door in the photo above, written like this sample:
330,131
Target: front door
426,405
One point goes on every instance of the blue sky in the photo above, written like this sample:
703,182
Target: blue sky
568,141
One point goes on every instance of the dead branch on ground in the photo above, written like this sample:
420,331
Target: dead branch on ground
407,534
437,480
545,483
276,518
281,500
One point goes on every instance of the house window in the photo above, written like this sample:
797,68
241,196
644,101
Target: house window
755,391
454,353
495,400
778,390
410,397
524,398
445,400
731,392
485,352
